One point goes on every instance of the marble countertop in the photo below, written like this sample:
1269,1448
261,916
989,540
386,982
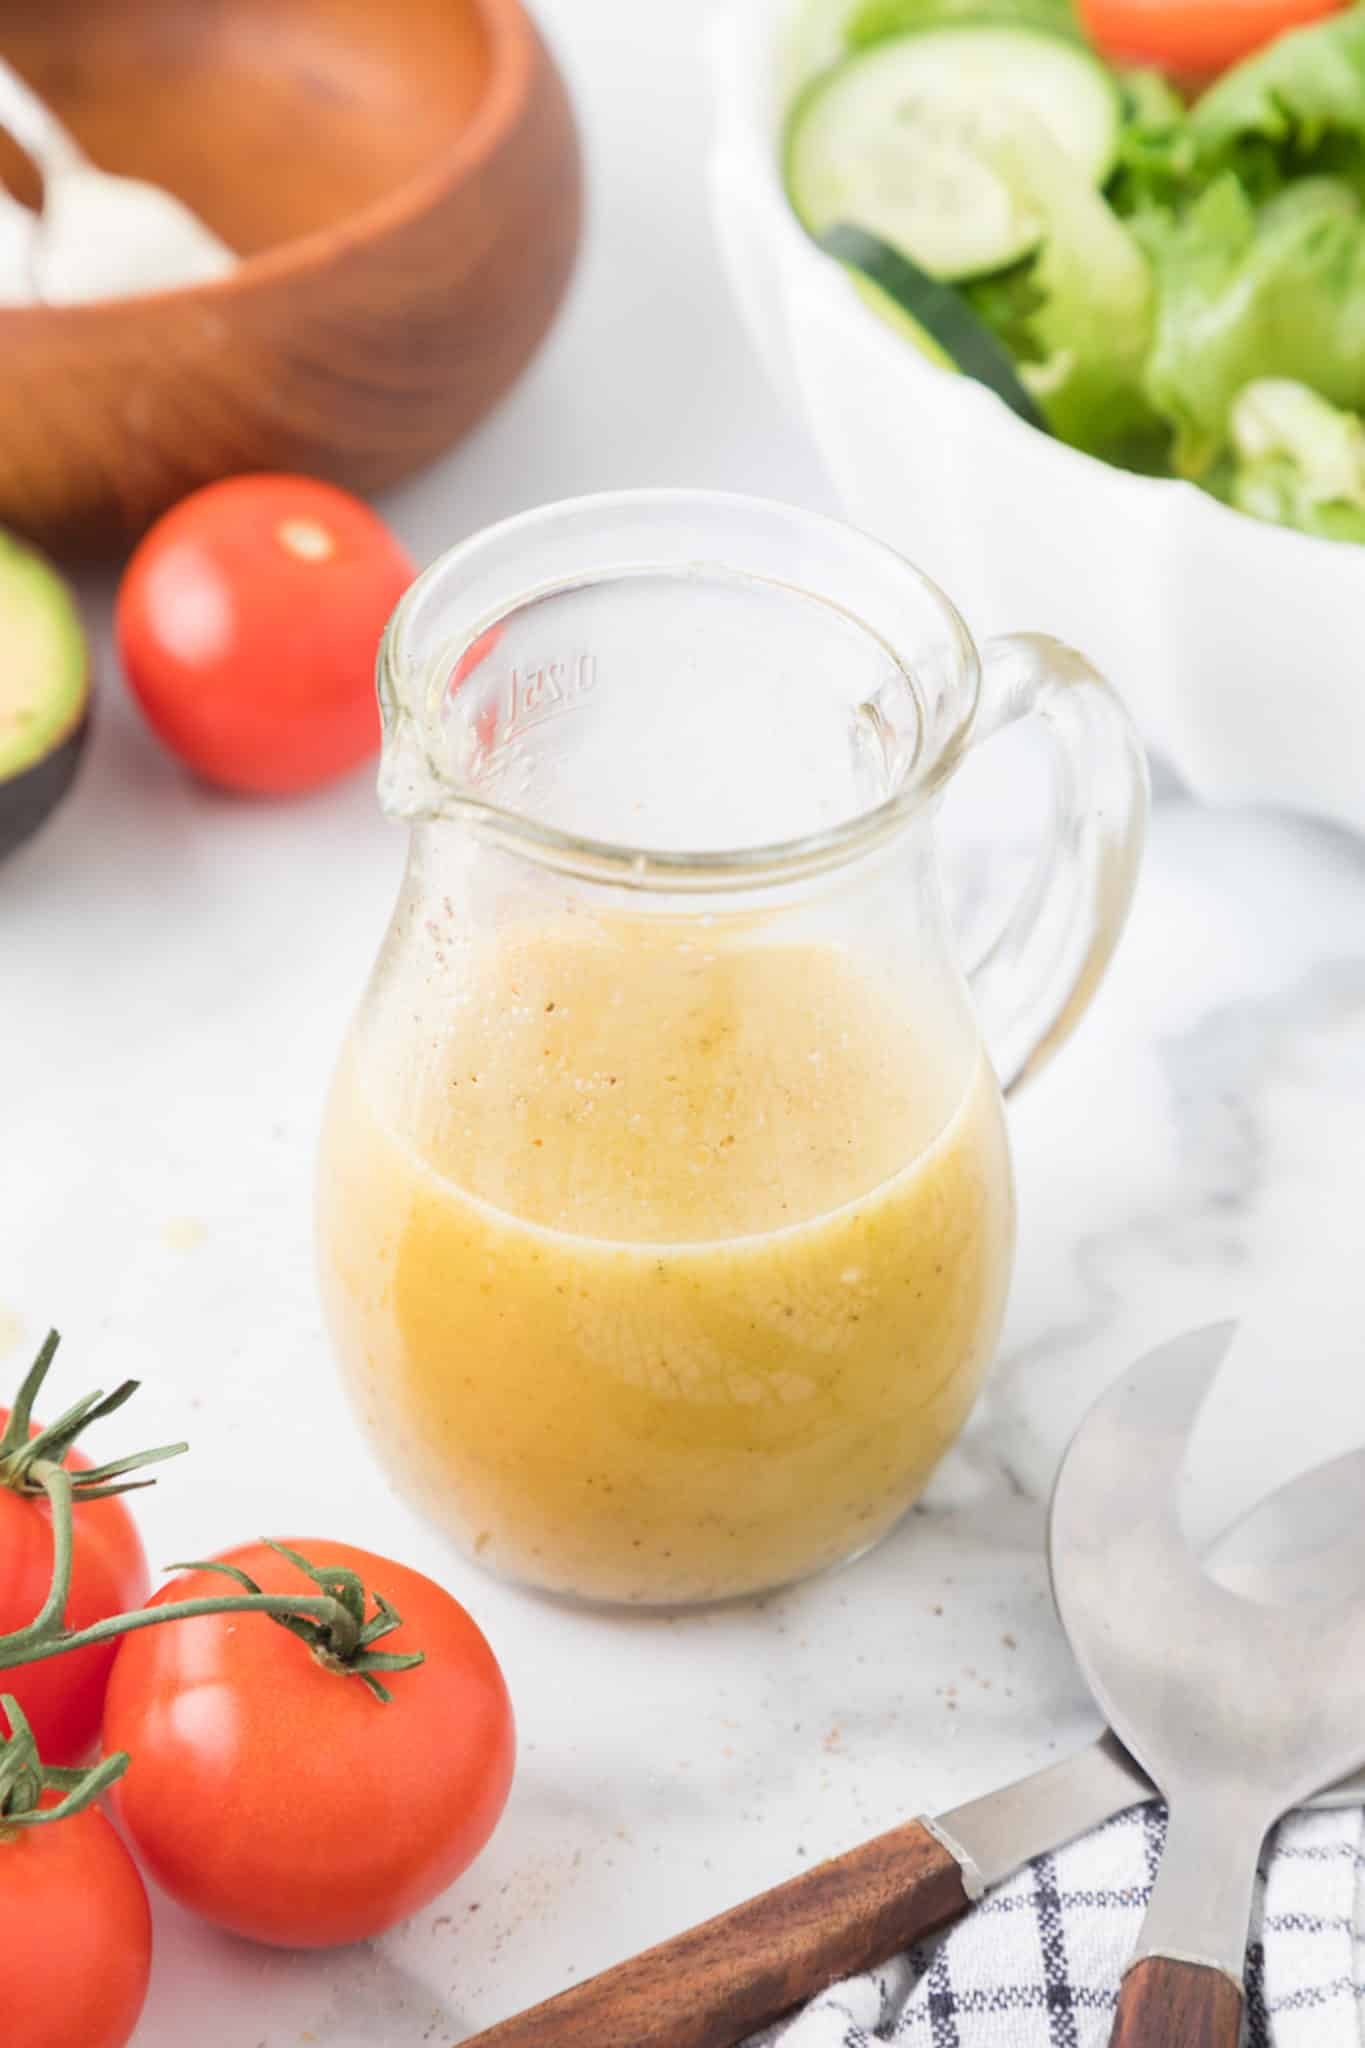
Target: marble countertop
175,972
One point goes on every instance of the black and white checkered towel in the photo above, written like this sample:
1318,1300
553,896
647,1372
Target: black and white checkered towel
1037,1963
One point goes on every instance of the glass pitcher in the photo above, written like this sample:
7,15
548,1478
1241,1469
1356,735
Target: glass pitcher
665,1207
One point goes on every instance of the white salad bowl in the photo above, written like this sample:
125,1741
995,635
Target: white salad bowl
1237,645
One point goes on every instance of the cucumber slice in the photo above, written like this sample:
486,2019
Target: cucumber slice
937,318
889,139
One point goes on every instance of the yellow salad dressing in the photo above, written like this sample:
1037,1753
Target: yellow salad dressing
672,1267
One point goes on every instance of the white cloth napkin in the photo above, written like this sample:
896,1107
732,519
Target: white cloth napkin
1037,1963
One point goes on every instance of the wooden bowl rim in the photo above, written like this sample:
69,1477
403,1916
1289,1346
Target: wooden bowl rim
513,48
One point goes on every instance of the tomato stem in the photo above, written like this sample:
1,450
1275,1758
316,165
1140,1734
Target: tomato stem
330,1619
21,1454
55,1481
24,1778
28,1646
338,1635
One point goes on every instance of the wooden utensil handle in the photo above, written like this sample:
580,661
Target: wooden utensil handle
1167,2004
712,1986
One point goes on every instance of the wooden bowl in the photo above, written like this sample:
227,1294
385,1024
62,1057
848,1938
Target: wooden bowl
401,179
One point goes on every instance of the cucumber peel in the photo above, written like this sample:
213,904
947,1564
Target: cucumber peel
938,317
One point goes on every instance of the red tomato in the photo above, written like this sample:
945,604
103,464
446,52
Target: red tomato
64,1698
280,1799
78,1933
1194,39
248,622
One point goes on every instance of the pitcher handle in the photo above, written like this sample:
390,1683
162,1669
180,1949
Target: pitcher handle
1036,980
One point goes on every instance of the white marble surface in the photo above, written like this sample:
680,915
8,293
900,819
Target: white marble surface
175,971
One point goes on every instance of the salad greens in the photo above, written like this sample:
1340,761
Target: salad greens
1201,312
1078,315
1245,292
1296,107
874,20
1157,154
1297,460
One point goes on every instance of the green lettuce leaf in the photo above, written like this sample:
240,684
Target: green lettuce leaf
1150,101
1297,460
1157,156
1077,315
1297,106
873,21
1247,292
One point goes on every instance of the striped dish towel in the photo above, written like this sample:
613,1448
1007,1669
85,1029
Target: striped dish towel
1037,1963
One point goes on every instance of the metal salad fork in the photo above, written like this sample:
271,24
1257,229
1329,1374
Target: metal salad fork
1237,1711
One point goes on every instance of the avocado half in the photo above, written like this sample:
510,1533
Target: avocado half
44,691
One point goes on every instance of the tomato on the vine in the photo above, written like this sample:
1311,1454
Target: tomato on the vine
248,622
64,1699
78,1933
78,1930
271,1792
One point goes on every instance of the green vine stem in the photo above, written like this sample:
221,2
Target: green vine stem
330,1619
33,1465
55,1481
22,1456
24,1778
